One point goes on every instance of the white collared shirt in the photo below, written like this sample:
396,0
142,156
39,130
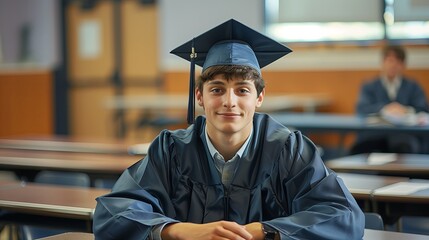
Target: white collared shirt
391,87
227,168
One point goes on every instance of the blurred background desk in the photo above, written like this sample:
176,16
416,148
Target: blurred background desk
66,144
362,186
409,198
408,165
27,163
380,194
342,124
39,204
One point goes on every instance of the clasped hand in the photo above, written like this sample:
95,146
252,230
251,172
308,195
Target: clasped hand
213,231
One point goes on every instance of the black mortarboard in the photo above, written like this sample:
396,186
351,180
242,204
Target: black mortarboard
230,43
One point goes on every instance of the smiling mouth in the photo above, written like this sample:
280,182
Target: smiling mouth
229,114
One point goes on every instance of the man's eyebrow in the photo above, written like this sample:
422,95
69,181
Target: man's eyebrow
244,82
215,82
239,83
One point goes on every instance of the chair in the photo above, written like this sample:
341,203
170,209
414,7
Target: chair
412,224
104,183
8,176
373,221
28,232
63,178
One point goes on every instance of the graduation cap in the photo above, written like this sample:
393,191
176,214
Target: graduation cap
230,43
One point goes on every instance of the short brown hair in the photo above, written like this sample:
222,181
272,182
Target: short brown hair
398,51
229,72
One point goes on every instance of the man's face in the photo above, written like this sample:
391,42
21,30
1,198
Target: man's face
229,105
392,66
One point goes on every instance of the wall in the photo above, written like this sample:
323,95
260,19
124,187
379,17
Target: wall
41,18
26,103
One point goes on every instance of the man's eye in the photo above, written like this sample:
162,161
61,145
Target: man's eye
216,90
244,91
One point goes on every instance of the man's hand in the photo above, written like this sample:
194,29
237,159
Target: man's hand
395,109
215,230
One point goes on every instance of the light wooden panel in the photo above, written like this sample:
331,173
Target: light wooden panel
26,103
89,116
98,68
140,41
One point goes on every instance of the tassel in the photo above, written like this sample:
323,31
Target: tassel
191,101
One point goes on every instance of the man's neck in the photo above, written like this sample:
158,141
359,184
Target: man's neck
228,144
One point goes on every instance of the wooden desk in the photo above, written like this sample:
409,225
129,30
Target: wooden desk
342,123
368,235
66,144
392,204
386,235
362,187
408,165
28,163
73,236
38,200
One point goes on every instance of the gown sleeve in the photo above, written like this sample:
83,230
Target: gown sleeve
321,207
131,211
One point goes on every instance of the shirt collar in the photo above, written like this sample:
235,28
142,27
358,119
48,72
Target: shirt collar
396,81
213,150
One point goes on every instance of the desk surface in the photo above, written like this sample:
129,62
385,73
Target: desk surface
66,144
340,123
50,200
73,236
369,235
362,186
386,235
410,165
65,161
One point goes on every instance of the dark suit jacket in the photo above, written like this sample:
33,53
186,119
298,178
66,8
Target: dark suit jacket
373,96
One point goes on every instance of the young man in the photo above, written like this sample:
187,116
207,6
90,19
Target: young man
234,173
394,96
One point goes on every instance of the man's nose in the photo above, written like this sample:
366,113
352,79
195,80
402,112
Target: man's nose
230,99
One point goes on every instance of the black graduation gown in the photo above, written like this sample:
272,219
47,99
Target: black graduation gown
280,180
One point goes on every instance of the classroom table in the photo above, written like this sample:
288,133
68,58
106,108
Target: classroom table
362,186
408,165
71,236
40,204
67,144
388,195
344,124
409,198
27,163
368,235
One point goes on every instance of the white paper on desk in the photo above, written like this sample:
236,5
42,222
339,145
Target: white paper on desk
381,158
402,188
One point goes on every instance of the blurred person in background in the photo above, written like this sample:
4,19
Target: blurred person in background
394,97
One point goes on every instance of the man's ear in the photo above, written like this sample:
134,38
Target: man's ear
199,97
260,98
